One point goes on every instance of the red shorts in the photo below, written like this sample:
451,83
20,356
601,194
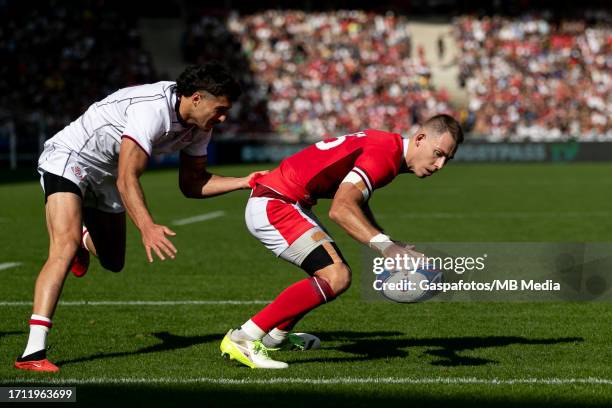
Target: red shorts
283,226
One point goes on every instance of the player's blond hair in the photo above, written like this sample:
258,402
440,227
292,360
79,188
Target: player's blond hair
445,123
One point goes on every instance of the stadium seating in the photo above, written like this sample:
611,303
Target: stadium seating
325,73
530,78
308,75
56,60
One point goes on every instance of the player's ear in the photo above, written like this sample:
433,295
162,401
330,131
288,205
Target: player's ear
196,98
420,138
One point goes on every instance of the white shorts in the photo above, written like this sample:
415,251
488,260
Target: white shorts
98,186
288,230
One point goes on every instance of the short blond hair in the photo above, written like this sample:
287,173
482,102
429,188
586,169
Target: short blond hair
445,123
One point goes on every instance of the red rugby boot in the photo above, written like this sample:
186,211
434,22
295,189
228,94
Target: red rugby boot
80,263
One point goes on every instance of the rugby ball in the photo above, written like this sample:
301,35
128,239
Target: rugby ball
409,286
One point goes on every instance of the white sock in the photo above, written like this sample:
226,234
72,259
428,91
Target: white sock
248,331
38,334
84,236
275,338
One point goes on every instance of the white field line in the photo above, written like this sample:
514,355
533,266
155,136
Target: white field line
199,218
144,302
319,381
552,214
8,265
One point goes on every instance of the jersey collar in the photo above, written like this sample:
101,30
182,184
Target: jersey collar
405,144
176,110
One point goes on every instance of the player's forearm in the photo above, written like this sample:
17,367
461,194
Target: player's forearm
217,185
214,185
351,218
358,225
367,211
133,199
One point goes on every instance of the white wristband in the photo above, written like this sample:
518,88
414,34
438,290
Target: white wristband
380,242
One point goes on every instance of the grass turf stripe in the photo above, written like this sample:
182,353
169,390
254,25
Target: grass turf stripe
144,302
320,381
199,218
501,215
9,265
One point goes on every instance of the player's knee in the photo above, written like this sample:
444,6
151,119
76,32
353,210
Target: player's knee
338,276
343,278
113,265
64,248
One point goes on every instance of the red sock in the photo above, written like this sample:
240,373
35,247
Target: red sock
296,300
289,324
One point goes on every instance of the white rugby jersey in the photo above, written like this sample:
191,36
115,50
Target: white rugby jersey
144,113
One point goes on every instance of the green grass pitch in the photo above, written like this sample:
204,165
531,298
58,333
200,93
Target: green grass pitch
442,354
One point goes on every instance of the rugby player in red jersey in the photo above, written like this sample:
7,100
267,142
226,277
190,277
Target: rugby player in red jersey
346,169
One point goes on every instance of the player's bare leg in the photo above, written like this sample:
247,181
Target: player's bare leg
337,275
63,214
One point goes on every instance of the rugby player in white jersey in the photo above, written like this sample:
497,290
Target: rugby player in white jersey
90,176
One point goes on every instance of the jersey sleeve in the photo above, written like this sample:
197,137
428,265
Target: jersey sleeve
199,147
145,124
358,180
376,168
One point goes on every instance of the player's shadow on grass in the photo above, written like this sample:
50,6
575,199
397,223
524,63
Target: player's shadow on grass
369,346
169,342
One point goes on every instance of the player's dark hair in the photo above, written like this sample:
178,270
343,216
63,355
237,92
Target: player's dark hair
445,123
211,77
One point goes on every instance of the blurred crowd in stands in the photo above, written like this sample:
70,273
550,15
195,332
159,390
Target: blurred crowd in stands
531,79
208,38
55,61
315,74
321,74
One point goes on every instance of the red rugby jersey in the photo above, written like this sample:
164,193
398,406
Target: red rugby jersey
317,171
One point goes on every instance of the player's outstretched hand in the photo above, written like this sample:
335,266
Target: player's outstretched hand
154,240
251,179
